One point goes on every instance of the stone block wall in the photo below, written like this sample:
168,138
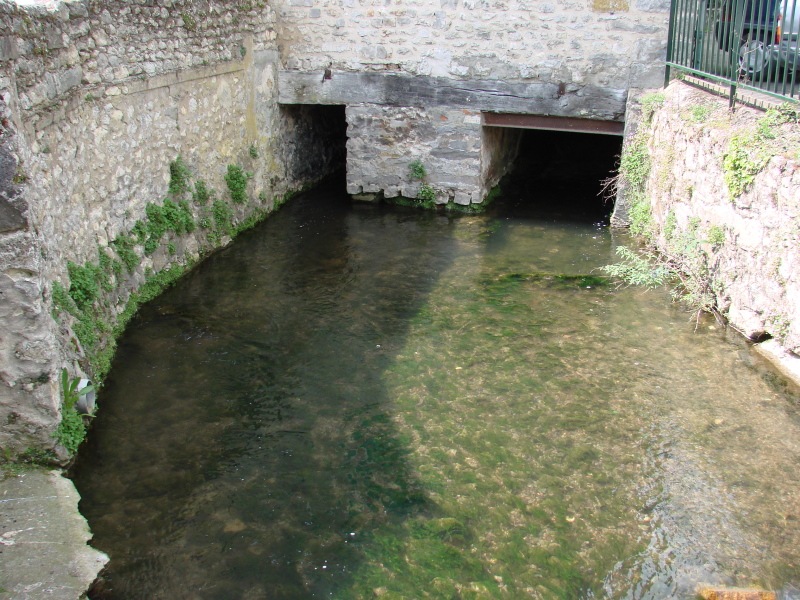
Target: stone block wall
97,100
608,43
463,160
755,265
383,141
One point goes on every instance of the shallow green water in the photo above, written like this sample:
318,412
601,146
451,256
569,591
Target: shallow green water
361,402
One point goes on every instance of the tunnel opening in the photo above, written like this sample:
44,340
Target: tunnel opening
562,175
313,140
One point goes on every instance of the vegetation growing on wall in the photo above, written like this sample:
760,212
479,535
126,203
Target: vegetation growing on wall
72,429
94,289
237,180
749,151
683,258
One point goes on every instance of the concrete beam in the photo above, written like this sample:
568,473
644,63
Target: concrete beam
394,89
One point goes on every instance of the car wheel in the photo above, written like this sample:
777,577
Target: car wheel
753,59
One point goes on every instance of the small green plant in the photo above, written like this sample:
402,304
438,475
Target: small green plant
139,232
253,152
741,163
426,193
417,171
72,430
123,246
237,179
650,103
701,112
171,248
83,287
62,300
223,216
670,225
683,264
639,269
178,177
201,194
716,235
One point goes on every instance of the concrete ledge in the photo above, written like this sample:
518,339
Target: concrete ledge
786,363
43,539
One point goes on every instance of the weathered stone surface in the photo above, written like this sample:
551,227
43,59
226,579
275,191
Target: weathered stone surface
588,101
463,160
43,539
544,42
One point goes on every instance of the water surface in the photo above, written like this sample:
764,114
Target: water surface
360,401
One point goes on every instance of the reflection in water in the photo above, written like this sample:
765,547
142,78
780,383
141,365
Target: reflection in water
364,402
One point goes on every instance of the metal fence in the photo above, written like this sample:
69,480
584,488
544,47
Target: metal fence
750,44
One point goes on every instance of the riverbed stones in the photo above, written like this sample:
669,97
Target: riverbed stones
710,592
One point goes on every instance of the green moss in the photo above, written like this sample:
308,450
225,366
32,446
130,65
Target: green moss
189,22
256,217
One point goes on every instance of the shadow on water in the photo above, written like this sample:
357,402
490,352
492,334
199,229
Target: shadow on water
244,448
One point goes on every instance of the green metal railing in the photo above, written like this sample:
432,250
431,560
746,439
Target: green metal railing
747,44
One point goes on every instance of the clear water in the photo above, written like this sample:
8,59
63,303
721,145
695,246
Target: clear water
358,402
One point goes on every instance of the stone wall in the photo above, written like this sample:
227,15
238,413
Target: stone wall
383,141
607,43
99,99
748,236
463,160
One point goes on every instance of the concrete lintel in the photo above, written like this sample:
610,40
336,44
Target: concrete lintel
395,89
522,121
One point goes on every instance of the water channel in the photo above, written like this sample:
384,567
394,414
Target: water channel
358,401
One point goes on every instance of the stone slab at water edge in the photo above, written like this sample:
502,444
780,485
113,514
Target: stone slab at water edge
43,539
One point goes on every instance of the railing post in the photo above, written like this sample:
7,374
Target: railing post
670,40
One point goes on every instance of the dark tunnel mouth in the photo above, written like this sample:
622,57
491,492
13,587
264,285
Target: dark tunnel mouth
563,175
555,175
314,140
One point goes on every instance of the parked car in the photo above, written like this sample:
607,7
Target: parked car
763,33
